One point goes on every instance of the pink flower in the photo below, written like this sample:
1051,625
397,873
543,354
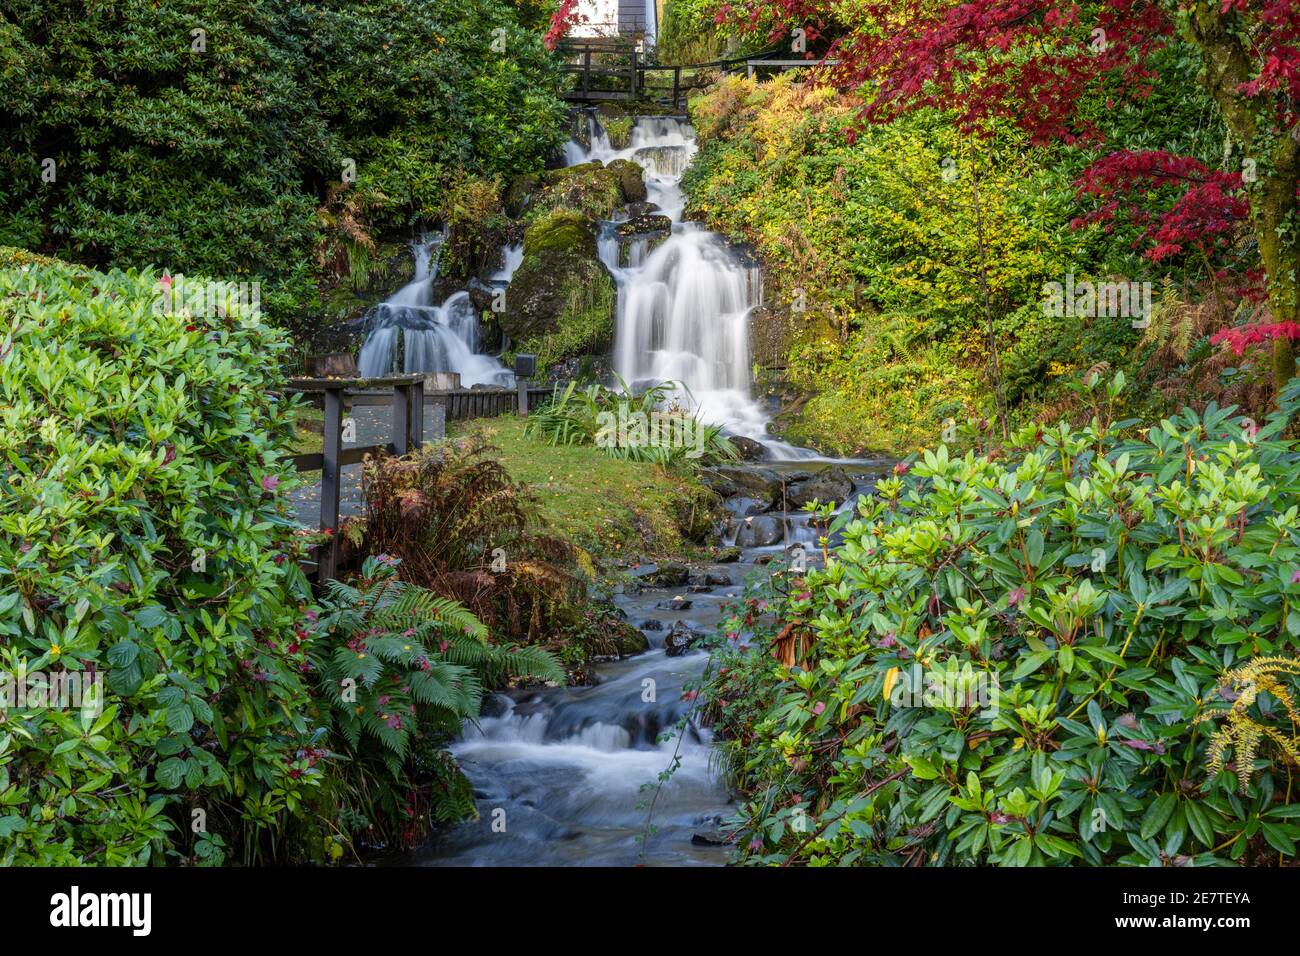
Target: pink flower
1295,577
1015,597
902,468
270,482
818,707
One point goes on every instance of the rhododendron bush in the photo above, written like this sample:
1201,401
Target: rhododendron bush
1051,655
145,549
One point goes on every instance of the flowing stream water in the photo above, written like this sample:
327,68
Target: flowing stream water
563,776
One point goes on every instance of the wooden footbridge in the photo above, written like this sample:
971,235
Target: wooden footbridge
611,68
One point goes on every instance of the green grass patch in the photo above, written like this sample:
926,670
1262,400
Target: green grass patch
612,508
308,432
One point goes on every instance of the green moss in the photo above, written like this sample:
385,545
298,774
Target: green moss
560,302
562,231
591,189
585,326
619,131
631,180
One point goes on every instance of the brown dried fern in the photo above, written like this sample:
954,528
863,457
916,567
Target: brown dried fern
1241,732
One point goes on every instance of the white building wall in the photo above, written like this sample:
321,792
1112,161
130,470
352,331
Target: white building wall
599,18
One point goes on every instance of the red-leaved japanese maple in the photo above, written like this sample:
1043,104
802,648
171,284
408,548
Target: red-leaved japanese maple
1031,62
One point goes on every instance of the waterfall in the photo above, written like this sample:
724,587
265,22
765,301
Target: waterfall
435,338
683,304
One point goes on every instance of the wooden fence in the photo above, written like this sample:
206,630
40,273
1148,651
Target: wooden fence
407,397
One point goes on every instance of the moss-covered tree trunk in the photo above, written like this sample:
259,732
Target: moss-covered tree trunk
1272,157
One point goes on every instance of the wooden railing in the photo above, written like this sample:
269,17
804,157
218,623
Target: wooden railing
589,58
463,403
407,400
407,397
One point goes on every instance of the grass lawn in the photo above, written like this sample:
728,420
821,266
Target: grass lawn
309,431
611,508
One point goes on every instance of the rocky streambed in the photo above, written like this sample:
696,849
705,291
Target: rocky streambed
565,776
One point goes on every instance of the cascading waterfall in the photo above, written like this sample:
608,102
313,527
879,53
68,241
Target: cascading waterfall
684,299
560,773
435,338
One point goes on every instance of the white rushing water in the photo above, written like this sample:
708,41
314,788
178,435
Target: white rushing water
433,338
684,303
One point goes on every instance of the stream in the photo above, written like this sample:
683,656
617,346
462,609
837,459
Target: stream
564,776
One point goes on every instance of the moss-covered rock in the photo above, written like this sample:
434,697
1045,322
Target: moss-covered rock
631,179
618,130
590,188
560,302
520,194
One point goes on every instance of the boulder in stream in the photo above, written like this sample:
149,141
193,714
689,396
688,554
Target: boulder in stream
729,481
760,531
681,638
748,449
631,180
668,574
648,225
829,484
561,299
742,506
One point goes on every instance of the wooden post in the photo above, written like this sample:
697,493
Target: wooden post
677,85
415,419
632,77
331,480
523,395
586,71
401,419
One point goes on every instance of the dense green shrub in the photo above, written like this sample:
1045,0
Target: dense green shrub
211,152
143,538
1081,651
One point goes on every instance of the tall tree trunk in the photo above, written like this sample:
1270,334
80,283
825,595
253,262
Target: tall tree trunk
1274,158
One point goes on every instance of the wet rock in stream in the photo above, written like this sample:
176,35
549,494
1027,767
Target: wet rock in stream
676,604
760,531
829,484
681,638
666,575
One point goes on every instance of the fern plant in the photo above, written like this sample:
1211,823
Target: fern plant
399,657
401,669
1240,731
594,416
